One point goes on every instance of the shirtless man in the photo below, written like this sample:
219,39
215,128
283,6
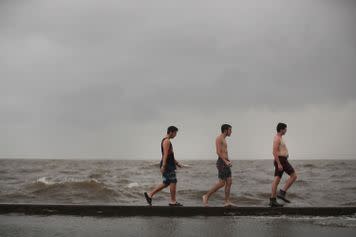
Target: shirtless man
223,165
281,164
167,166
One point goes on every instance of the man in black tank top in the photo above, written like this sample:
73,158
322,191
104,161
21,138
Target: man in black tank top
168,166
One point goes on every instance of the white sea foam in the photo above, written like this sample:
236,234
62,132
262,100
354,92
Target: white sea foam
44,180
47,181
132,185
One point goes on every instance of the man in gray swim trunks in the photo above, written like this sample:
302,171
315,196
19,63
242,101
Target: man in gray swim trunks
223,165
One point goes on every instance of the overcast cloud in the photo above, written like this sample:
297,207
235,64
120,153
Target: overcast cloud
104,79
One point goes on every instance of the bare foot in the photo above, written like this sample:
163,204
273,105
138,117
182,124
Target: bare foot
229,204
205,200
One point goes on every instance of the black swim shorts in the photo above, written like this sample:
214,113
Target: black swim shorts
287,167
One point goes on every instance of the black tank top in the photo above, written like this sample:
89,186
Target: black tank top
171,165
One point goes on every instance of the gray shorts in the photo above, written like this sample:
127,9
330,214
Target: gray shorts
224,171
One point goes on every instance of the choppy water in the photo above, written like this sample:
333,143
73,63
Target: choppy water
320,182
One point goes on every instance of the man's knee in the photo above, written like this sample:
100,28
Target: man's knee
229,182
222,183
276,180
294,176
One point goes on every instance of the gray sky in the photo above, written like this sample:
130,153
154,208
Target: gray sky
104,79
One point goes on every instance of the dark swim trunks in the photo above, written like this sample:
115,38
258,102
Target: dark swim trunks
169,177
287,167
224,171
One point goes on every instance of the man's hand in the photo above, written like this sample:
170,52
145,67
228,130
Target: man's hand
228,163
179,165
162,169
280,167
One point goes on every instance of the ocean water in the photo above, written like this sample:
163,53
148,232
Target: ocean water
57,225
119,182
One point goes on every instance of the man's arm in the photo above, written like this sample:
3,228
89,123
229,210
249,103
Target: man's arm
276,143
177,163
219,151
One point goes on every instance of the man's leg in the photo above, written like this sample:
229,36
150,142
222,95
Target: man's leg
216,187
273,201
282,193
275,183
227,190
288,168
292,178
172,188
157,189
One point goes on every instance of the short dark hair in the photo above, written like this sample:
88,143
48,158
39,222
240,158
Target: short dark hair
172,129
225,127
281,126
